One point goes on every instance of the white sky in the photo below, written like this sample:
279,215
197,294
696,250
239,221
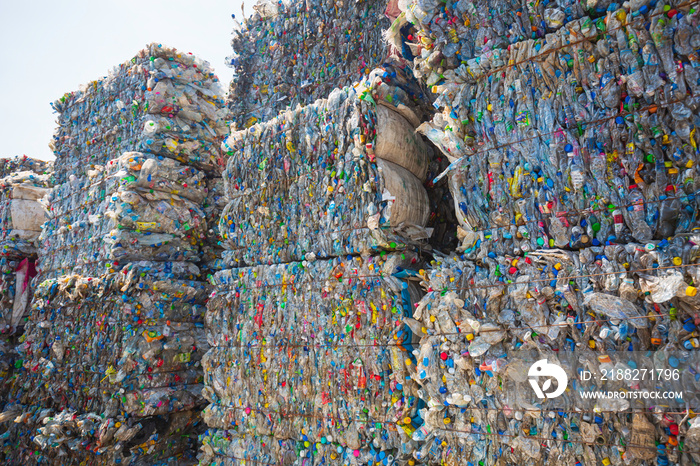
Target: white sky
50,47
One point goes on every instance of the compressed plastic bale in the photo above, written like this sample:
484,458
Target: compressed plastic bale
162,101
398,143
21,214
158,213
138,207
14,165
446,37
573,166
300,54
332,323
138,334
481,319
303,186
229,447
110,441
28,192
137,171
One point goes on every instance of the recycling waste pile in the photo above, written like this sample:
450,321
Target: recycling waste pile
340,176
292,52
111,361
359,260
571,132
325,218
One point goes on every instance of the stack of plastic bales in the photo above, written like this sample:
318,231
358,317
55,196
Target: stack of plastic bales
24,182
309,354
120,352
112,361
292,52
573,142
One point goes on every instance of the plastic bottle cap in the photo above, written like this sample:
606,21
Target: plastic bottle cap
677,261
691,291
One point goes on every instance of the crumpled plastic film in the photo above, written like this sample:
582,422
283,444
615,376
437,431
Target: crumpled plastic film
288,53
162,101
137,207
308,184
124,349
481,316
583,137
312,352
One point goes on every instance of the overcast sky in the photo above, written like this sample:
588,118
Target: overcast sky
51,47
